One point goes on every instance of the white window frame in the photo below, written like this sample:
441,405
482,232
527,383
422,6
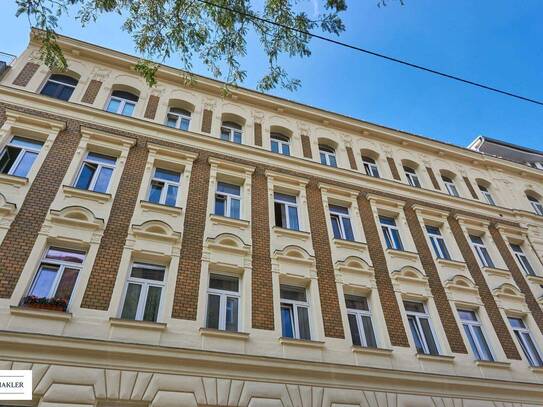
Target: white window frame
521,255
488,196
223,295
477,247
412,177
99,167
450,186
278,138
294,305
21,153
358,313
122,103
370,167
166,186
340,217
179,116
231,131
229,197
470,325
528,351
145,283
434,237
390,228
418,316
536,205
62,266
287,206
68,85
327,155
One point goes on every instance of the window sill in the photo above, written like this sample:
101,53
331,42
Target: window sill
217,333
492,271
435,358
535,279
129,323
40,313
350,244
493,364
537,369
301,342
86,194
295,234
372,351
452,263
226,221
12,180
402,254
174,211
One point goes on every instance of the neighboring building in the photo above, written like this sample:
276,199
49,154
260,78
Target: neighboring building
512,152
168,247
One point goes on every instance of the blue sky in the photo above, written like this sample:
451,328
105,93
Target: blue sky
497,42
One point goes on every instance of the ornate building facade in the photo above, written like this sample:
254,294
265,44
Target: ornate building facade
167,246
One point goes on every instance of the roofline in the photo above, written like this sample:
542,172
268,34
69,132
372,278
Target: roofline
510,145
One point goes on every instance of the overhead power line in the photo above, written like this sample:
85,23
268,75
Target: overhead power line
375,54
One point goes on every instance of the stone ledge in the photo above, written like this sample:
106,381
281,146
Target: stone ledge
86,194
174,211
301,342
13,180
40,313
296,234
244,336
226,221
537,369
403,254
129,323
493,364
452,263
350,244
435,358
372,351
535,279
493,271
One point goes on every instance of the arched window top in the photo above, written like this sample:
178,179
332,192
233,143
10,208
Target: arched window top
231,131
68,80
178,118
126,95
327,149
180,111
368,159
532,198
409,169
447,174
182,105
366,153
59,86
122,101
279,137
231,125
327,155
483,184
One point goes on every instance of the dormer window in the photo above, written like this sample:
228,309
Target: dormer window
122,102
231,131
178,118
327,155
59,87
280,143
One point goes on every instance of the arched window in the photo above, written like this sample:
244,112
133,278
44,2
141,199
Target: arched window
484,187
231,131
280,143
450,185
411,175
370,166
178,118
59,87
122,102
328,155
536,204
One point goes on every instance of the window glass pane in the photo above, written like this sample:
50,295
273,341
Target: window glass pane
50,89
487,259
293,218
323,158
24,166
229,188
274,146
280,217
387,221
467,315
471,341
225,134
526,265
102,182
444,250
147,272
171,120
44,281
368,331
432,347
185,123
303,322
213,304
335,227
289,292
222,282
535,358
287,321
101,158
388,237
65,79
433,230
26,143
131,300
152,304
85,177
65,92
167,175
220,205
348,229
113,105
125,95
411,306
73,256
231,314
128,109
339,209
485,353
476,239
8,158
171,196
332,159
353,325
517,323
234,208
356,302
416,334
397,241
237,137
67,283
286,149
284,197
155,191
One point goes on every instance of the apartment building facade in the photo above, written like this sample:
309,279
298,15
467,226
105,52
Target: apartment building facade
167,246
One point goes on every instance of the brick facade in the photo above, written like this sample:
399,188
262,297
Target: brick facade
26,74
108,258
262,289
489,302
470,188
433,178
352,159
387,296
207,119
185,301
258,134
331,313
306,146
443,306
393,168
151,108
92,91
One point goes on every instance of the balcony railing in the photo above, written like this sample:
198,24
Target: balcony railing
6,60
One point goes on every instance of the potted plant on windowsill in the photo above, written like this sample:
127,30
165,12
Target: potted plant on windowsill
54,304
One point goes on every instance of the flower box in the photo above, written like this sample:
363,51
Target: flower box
53,304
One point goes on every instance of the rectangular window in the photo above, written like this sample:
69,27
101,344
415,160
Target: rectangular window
18,156
56,276
95,173
143,293
228,200
286,211
370,167
359,316
451,187
341,222
526,342
438,243
223,303
412,177
421,329
294,313
481,250
391,233
164,187
474,333
522,259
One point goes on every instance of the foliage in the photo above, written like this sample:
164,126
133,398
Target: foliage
214,31
57,302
